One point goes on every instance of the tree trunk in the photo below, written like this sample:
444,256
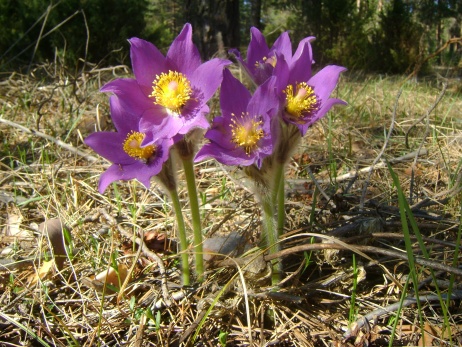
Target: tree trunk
215,24
255,13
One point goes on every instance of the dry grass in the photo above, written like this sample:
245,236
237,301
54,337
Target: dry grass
323,297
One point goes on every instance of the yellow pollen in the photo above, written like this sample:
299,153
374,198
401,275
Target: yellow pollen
272,61
132,146
304,100
246,133
171,90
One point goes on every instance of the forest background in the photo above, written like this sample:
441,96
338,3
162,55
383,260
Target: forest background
385,36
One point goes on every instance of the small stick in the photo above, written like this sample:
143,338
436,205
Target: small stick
374,315
380,165
385,144
60,143
364,249
426,115
147,252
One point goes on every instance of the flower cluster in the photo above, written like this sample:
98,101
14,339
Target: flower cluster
161,108
287,94
166,100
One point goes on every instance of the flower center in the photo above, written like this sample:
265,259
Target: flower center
171,90
132,146
246,132
303,100
271,61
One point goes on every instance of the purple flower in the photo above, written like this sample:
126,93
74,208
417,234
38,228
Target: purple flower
245,133
124,149
261,60
169,92
305,98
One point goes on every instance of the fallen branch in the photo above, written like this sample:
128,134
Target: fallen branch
381,165
60,143
146,251
364,249
419,64
374,315
384,147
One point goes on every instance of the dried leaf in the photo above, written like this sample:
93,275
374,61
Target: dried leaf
108,277
413,168
232,244
13,223
45,270
53,228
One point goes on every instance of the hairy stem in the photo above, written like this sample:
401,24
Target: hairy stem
279,198
272,239
195,215
182,234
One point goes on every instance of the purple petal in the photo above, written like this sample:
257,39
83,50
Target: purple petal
137,169
183,54
234,96
281,71
283,45
325,107
301,48
264,98
233,157
124,121
131,96
220,133
124,173
325,81
199,121
257,48
157,127
109,145
300,70
208,77
147,61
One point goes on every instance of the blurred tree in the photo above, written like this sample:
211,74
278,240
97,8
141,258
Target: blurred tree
359,34
216,25
255,10
399,37
87,29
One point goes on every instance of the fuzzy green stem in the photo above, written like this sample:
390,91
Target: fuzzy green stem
182,234
195,215
279,189
272,239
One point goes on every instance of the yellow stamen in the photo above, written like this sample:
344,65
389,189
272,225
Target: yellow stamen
132,146
271,60
246,132
304,100
171,90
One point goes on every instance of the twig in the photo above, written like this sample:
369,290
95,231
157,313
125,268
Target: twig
147,252
324,194
37,42
380,165
364,249
456,188
424,137
60,143
426,115
385,144
434,54
381,235
374,315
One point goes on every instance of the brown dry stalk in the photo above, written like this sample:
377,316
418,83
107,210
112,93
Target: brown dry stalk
144,248
364,249
374,315
60,143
